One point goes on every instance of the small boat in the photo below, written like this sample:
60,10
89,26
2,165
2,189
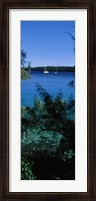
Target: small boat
45,71
56,71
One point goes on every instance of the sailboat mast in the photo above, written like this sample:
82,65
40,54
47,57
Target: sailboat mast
45,70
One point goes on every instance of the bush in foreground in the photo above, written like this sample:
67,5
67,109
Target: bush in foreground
48,137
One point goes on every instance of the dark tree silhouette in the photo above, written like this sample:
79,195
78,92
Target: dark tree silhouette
23,57
72,37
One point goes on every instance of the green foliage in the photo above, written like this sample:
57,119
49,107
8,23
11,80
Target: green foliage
24,74
26,170
48,132
23,57
43,143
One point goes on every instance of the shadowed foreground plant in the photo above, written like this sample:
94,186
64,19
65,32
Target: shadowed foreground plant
26,170
48,136
24,74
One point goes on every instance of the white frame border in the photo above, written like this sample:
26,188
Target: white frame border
80,183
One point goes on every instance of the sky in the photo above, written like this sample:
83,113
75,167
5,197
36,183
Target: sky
47,42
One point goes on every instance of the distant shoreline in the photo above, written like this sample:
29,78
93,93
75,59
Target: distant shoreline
52,68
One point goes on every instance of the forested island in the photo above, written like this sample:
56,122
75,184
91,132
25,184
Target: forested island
52,68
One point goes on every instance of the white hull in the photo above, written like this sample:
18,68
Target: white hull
46,72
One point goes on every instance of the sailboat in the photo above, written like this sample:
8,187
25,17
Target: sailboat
45,70
56,71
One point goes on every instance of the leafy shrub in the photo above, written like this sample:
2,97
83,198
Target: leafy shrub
24,74
26,170
48,134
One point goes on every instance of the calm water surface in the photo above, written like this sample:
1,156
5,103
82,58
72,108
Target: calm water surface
52,82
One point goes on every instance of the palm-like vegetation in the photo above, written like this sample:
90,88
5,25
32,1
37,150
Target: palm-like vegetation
23,58
24,74
72,37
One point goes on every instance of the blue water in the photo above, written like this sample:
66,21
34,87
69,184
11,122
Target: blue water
52,82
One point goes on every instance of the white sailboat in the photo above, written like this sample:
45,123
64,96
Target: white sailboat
45,70
56,71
